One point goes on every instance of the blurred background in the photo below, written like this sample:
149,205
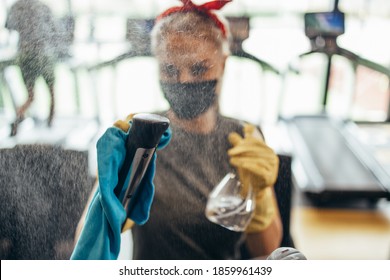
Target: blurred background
323,101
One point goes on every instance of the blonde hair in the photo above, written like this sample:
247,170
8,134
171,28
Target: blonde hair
193,24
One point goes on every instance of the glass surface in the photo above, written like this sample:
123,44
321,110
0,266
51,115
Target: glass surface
229,205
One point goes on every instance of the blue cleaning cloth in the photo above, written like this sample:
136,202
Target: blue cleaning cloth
101,235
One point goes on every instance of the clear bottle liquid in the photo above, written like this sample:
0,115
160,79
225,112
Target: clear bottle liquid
229,206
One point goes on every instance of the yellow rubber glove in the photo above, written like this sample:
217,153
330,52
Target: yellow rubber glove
124,124
257,166
256,163
265,211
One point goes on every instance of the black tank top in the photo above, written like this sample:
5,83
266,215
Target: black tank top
187,170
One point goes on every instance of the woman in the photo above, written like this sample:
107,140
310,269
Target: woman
191,46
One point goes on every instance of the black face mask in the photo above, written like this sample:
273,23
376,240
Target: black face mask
189,100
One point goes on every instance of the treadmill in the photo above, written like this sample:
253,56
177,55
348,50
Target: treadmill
331,163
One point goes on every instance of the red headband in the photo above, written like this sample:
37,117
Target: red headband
204,8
